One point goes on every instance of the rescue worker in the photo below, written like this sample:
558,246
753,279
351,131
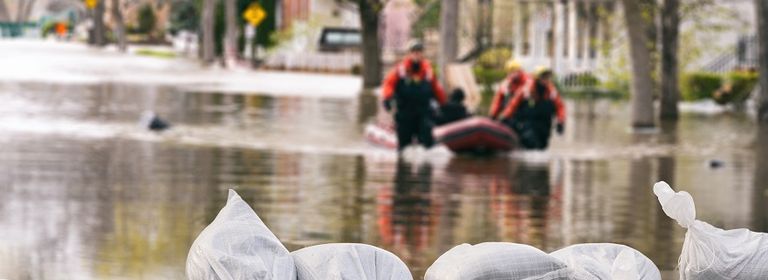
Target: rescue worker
531,111
515,81
412,87
454,110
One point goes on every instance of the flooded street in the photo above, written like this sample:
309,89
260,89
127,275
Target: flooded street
87,194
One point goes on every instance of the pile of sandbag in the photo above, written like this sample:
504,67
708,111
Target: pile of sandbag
500,260
238,245
710,253
496,260
607,261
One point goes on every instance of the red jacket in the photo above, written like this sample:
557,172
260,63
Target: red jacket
402,70
512,85
551,94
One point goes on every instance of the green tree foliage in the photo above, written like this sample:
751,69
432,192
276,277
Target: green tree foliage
269,25
146,19
429,17
185,15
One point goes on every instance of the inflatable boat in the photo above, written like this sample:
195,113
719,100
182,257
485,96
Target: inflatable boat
478,135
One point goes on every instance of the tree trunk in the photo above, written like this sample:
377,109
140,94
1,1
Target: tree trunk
670,24
117,16
449,39
761,6
98,37
640,56
20,8
207,21
369,20
230,40
4,11
28,10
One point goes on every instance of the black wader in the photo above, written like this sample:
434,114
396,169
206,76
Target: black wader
413,118
533,122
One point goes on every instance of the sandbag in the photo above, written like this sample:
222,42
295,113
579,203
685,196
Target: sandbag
348,261
606,261
237,245
710,253
497,260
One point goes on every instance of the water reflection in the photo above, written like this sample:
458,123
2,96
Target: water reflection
473,200
127,204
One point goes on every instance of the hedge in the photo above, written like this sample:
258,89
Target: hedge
699,85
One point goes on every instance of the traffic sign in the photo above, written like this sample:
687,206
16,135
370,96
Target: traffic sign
255,14
90,4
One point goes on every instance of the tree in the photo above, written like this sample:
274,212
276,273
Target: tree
117,15
24,10
449,39
640,57
4,11
207,26
146,19
98,31
230,39
670,26
184,16
369,11
428,17
761,7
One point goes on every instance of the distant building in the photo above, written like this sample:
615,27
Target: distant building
324,29
573,36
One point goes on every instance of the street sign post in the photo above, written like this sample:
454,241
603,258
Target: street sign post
254,15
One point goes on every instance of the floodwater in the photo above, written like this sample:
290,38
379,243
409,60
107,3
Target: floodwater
86,194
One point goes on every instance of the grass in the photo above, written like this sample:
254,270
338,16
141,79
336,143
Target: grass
156,53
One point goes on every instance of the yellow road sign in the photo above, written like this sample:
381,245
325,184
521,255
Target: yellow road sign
255,14
90,4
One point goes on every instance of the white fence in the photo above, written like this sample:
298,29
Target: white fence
320,62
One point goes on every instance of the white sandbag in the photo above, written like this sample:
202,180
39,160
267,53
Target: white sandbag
237,245
710,253
607,261
339,261
497,260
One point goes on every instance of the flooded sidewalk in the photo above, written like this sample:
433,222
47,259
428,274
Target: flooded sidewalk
33,61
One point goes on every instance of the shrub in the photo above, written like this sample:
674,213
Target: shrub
742,83
489,67
146,19
488,77
699,85
586,79
494,58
